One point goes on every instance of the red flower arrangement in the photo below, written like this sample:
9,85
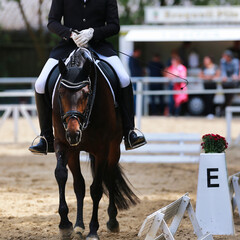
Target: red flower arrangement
214,143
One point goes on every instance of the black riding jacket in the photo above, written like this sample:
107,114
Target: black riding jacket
101,15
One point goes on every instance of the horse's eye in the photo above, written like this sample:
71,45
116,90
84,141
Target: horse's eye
87,93
61,91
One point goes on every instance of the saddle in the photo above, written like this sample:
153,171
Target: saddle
111,77
106,70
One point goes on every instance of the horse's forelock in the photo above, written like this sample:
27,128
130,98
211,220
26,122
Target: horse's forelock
76,74
72,74
78,69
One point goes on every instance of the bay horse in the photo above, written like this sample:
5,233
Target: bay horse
85,119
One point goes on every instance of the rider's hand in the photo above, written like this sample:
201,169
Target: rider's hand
81,39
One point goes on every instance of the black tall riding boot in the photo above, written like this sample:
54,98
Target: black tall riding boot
131,139
45,122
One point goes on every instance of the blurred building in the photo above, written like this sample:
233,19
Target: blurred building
207,30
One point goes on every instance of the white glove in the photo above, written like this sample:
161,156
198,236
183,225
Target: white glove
83,37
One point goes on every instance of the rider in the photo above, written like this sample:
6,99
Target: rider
85,23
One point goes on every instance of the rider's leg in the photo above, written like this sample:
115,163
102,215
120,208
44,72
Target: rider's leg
44,111
131,139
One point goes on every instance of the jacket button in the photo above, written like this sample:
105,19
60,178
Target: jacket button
84,20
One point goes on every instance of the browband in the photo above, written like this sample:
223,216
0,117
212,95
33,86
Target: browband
75,86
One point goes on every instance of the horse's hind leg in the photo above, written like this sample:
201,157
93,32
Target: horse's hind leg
61,174
112,224
79,189
109,180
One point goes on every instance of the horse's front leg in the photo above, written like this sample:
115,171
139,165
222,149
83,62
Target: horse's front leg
96,191
61,174
79,189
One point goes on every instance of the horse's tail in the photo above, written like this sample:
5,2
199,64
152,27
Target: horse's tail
116,183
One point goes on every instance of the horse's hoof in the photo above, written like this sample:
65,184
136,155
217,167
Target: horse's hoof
113,226
66,233
92,237
78,233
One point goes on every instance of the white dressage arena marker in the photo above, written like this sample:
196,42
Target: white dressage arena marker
156,223
235,191
213,206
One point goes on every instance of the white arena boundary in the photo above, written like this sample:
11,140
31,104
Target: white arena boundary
15,110
163,148
234,188
156,227
229,114
166,148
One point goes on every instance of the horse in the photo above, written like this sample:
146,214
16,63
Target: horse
85,118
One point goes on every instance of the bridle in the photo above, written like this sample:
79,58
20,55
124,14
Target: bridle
82,118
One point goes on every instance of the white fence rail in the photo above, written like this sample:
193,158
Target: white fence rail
229,114
140,92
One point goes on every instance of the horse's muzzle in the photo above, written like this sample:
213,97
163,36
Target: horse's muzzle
74,137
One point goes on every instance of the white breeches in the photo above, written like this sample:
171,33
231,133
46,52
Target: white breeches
117,65
114,61
41,81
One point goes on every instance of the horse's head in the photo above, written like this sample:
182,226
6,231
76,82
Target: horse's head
74,94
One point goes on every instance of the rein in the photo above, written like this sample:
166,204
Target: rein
82,118
92,96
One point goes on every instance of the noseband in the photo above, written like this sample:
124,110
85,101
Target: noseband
82,118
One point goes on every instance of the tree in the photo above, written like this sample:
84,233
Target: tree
125,17
37,36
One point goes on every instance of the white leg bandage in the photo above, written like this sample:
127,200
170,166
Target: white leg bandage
117,65
41,81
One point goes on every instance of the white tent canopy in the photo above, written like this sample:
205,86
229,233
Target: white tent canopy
211,39
183,33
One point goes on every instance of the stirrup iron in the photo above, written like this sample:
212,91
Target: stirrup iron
40,137
136,131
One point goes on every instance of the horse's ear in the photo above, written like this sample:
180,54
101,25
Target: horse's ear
62,67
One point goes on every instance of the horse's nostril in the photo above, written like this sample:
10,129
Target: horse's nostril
78,136
74,138
68,137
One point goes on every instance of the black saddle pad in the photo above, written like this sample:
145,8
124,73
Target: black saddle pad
51,81
107,71
110,76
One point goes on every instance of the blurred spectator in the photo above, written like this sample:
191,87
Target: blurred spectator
235,49
135,67
229,66
193,59
156,67
209,72
229,75
184,51
174,53
177,69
